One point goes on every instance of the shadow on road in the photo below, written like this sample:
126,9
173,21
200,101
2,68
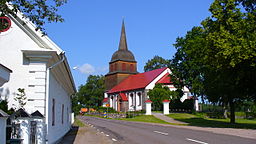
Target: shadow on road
69,138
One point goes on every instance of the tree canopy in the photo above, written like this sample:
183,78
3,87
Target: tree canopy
156,63
158,94
217,59
37,11
91,94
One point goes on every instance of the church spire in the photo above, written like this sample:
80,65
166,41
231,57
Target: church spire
123,43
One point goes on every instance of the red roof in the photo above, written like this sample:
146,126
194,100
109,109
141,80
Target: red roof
148,101
137,81
105,100
123,97
166,79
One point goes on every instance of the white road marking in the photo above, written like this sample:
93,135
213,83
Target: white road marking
163,133
102,132
197,141
107,135
114,139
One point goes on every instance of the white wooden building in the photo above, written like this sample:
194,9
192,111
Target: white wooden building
40,67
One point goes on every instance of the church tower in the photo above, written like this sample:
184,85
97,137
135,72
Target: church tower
122,63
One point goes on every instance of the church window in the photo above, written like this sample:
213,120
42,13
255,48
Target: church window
132,101
115,67
131,67
53,112
111,68
139,95
123,67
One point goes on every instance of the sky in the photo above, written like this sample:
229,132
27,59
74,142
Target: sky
91,31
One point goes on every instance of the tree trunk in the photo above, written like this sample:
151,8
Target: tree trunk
232,111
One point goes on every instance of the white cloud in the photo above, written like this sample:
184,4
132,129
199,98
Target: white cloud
86,69
90,69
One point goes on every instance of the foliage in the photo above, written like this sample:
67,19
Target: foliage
106,109
89,95
156,63
37,11
21,98
188,104
158,94
217,60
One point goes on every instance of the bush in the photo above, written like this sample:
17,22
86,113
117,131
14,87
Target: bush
103,109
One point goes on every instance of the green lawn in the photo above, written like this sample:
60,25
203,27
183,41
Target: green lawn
194,120
145,118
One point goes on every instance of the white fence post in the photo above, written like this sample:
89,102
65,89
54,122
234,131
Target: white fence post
166,106
148,107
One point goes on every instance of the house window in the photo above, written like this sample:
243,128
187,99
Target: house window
123,67
139,95
53,112
67,115
62,114
131,67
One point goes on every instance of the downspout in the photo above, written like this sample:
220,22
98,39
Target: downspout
47,87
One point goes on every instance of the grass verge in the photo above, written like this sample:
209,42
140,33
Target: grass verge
78,123
194,120
145,118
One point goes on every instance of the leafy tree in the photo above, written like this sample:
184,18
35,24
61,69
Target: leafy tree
217,60
155,63
38,11
21,97
158,94
92,93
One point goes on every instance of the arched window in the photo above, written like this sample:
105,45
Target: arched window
139,95
123,67
115,67
131,67
132,101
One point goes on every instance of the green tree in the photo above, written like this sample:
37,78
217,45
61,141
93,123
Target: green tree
92,93
156,63
21,97
38,11
158,94
217,60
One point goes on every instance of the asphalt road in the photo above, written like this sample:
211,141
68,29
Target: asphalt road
125,132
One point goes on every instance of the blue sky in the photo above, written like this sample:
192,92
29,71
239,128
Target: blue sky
91,31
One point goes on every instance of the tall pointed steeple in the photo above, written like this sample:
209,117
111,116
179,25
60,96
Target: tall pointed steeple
123,42
122,64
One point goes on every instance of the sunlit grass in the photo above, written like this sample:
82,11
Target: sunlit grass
194,120
78,123
145,118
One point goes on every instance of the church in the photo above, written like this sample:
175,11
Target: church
126,89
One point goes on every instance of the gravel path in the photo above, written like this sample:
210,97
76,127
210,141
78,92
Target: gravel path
85,135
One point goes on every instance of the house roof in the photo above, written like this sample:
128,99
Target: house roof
105,100
123,97
137,81
37,114
166,79
3,114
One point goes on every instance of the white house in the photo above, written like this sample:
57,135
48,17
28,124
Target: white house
40,67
